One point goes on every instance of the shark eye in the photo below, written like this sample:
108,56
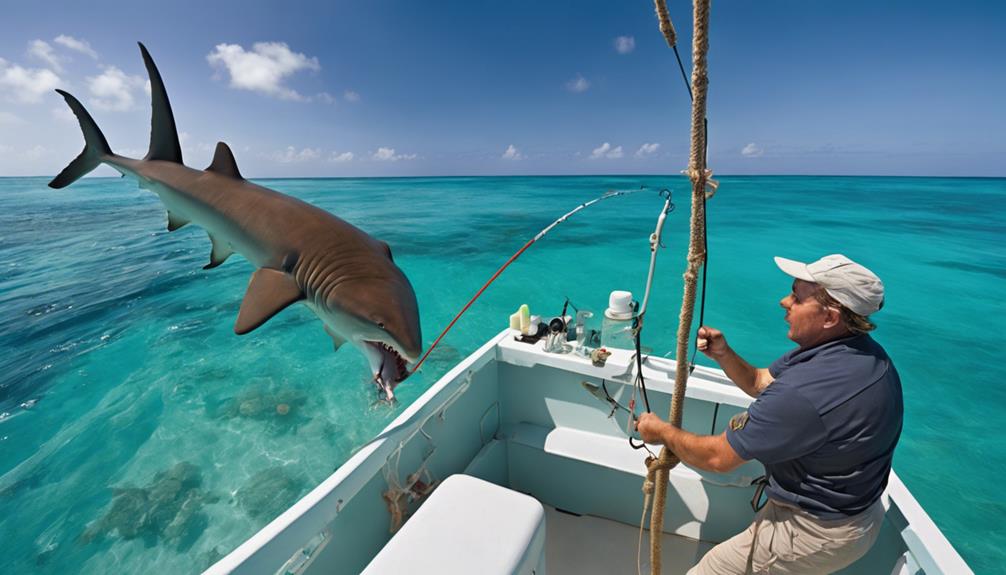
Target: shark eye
380,324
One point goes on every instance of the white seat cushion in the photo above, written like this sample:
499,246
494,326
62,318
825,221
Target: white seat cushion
467,526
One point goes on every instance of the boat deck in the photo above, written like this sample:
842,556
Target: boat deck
586,545
522,419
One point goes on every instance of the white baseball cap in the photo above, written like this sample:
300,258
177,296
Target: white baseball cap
851,284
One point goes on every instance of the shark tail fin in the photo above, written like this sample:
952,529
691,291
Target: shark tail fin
96,148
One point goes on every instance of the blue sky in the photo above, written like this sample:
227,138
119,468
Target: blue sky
392,88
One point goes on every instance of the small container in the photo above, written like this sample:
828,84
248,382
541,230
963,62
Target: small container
617,334
616,329
581,326
556,338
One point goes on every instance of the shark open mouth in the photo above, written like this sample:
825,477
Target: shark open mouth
392,370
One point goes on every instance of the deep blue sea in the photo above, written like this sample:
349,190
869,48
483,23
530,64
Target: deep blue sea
139,434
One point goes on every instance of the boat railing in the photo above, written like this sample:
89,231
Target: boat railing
285,536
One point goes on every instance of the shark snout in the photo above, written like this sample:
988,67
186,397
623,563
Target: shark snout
413,349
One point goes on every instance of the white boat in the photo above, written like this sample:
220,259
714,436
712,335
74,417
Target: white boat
534,475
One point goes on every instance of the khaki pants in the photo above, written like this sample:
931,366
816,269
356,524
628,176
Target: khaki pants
788,540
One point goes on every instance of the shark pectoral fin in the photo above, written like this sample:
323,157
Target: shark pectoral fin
337,340
269,291
223,162
175,222
219,254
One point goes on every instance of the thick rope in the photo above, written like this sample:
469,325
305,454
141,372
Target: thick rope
653,467
657,471
666,27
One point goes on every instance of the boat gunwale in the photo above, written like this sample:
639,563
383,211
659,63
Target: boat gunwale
278,541
273,545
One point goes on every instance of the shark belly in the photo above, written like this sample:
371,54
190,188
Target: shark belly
219,227
226,235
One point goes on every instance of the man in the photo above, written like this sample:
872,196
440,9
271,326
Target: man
825,422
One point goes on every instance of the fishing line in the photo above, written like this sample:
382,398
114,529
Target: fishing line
541,234
637,322
606,195
705,227
667,29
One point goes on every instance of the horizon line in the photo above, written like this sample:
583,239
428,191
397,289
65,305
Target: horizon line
615,175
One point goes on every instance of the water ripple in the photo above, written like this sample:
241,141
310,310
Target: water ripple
118,363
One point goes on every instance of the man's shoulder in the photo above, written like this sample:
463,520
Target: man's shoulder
846,356
834,372
784,395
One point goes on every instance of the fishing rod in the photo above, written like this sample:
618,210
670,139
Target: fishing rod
541,234
671,39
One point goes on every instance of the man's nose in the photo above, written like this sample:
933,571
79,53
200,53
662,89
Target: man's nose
786,301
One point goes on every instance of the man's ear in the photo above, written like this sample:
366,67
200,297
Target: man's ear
833,317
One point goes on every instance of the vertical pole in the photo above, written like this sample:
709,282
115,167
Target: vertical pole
696,258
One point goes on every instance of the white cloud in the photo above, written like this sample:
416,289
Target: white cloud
625,44
6,118
26,85
192,147
264,68
388,155
384,154
512,153
63,114
76,45
647,150
341,158
351,96
41,50
752,150
606,151
33,153
292,155
113,89
325,97
578,84
131,152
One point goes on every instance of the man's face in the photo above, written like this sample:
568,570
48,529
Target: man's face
805,315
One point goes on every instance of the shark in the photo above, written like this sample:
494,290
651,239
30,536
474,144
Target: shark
301,253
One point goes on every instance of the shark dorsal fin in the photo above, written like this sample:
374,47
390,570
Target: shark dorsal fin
269,292
223,162
163,134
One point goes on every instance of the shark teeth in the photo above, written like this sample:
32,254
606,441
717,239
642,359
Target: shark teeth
387,352
400,363
388,375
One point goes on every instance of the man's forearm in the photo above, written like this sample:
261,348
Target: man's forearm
746,376
701,451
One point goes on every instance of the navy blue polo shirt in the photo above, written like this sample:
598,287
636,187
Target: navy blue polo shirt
826,428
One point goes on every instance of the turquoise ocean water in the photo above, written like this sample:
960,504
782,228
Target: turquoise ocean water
139,434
